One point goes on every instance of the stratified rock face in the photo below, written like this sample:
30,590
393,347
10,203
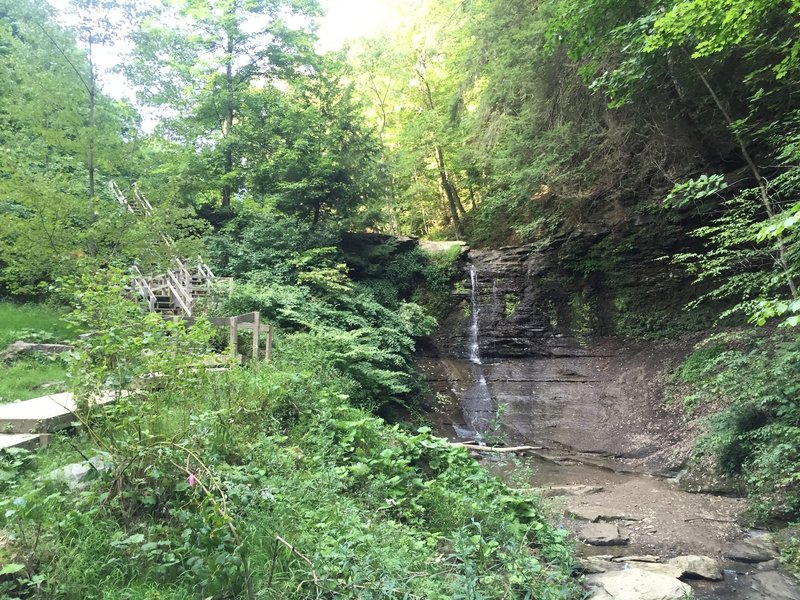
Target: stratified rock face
606,398
510,322
551,356
550,299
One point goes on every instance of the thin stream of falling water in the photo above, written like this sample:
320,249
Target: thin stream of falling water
478,409
474,344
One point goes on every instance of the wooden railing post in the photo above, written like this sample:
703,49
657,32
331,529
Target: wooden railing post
268,353
234,336
256,334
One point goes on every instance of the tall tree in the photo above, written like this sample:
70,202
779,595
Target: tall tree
308,150
198,59
48,222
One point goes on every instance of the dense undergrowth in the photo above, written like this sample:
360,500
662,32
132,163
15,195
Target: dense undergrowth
270,480
354,311
278,485
751,381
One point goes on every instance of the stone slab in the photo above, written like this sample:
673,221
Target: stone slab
750,551
570,490
29,441
593,514
660,569
635,584
602,534
43,414
772,585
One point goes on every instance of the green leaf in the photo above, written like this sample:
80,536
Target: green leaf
11,568
136,538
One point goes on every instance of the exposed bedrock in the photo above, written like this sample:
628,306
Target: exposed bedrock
606,399
551,352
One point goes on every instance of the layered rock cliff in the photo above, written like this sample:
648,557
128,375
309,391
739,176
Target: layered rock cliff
560,330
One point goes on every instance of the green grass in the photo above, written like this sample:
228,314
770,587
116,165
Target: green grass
23,379
32,322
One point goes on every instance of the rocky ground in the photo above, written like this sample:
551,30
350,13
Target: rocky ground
614,462
519,360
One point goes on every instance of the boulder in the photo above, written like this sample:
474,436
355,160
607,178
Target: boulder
773,585
77,475
602,534
592,565
751,551
21,348
697,567
635,584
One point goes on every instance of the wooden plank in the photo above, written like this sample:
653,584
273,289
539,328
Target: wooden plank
246,318
256,334
268,356
233,336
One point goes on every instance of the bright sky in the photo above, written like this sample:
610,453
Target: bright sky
344,19
353,18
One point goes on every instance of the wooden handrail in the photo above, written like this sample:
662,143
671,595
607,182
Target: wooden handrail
119,196
181,295
252,321
179,283
145,205
144,288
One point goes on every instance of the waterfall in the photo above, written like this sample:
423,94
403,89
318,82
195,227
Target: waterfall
474,332
477,403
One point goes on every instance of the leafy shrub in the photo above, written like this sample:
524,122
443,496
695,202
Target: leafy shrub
755,435
262,245
349,332
789,544
277,486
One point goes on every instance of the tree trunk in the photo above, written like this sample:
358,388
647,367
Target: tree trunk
228,124
453,201
90,142
384,161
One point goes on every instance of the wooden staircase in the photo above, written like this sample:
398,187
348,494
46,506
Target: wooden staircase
175,292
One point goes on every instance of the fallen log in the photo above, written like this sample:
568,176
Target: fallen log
506,450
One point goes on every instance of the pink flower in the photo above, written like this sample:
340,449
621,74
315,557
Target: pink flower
192,479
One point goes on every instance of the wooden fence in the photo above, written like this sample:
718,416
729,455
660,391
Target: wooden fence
248,321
